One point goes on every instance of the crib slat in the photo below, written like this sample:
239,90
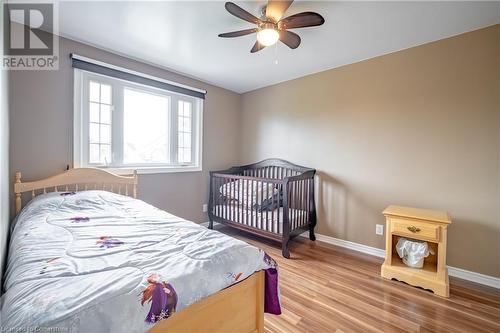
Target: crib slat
277,227
233,195
255,185
262,220
291,204
226,204
267,198
230,202
224,207
304,196
273,209
216,196
299,204
299,214
247,211
239,203
306,193
251,201
307,200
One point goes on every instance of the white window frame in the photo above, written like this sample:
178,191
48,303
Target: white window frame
81,121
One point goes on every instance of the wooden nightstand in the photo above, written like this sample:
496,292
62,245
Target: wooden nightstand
420,224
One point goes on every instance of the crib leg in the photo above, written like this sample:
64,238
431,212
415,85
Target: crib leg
210,224
284,250
312,236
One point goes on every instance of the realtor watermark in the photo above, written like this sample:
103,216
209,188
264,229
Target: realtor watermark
30,35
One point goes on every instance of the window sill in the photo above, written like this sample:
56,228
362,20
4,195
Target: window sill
152,170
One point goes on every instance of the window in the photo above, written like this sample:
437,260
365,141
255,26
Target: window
124,125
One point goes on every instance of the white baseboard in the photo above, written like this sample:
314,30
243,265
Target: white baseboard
452,271
348,245
474,277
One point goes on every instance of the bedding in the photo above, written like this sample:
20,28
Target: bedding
95,261
271,221
251,194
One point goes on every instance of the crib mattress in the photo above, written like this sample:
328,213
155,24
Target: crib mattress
271,221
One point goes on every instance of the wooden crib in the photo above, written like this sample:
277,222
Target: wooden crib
272,198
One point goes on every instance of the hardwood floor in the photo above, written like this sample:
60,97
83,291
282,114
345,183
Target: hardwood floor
325,288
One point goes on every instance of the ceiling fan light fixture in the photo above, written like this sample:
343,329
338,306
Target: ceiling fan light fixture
268,36
271,27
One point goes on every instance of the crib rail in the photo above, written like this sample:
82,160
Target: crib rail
300,201
232,199
284,203
272,198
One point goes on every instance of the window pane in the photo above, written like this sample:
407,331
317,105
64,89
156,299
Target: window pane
184,155
145,127
187,140
184,120
94,91
180,140
94,133
187,109
105,154
187,155
105,134
186,124
105,93
105,114
180,111
94,112
94,153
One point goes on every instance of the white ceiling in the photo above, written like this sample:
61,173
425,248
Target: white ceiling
182,35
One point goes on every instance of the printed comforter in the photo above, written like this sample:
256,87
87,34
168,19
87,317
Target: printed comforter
95,261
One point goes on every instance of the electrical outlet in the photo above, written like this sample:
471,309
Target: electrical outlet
205,208
379,229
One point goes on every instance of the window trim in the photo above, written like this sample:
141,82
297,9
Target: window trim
78,133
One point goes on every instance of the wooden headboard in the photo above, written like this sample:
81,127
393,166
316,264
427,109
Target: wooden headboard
79,179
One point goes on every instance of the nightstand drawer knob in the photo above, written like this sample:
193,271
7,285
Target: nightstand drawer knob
413,229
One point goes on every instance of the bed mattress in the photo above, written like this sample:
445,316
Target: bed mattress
271,221
95,261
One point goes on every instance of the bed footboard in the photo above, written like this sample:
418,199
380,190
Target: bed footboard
239,308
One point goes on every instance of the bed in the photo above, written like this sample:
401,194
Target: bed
86,256
272,198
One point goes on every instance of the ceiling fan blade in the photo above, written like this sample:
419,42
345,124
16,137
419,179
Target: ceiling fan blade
257,47
291,39
276,9
302,20
238,33
239,12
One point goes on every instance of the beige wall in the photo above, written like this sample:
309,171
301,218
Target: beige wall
418,127
42,126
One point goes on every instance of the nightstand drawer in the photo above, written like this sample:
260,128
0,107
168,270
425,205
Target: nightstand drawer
414,229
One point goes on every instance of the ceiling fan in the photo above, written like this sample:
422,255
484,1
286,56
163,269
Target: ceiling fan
271,27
